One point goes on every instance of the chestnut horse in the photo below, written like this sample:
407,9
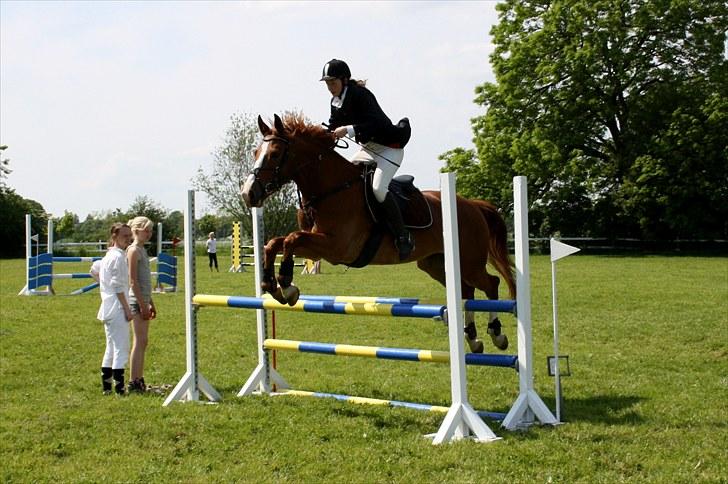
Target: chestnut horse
336,222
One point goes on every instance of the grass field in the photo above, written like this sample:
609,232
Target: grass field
647,401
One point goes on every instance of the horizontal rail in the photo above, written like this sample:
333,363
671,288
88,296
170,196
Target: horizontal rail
76,259
403,354
358,299
369,309
391,403
75,275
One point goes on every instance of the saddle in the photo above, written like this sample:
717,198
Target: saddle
415,209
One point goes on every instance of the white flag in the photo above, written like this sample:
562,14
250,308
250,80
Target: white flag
559,250
34,238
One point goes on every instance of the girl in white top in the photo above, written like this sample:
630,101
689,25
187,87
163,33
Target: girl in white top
140,299
212,250
114,310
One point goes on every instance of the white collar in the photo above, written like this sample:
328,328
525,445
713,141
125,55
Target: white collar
337,101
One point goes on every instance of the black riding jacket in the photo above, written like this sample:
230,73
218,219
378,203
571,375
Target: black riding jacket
361,109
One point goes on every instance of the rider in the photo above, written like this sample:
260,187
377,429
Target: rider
355,113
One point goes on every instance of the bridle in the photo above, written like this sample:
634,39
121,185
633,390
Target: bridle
275,183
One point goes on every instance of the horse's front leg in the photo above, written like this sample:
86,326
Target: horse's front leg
269,284
304,244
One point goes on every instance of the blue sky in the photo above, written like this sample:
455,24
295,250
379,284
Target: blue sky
103,101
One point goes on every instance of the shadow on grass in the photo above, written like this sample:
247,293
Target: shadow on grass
605,409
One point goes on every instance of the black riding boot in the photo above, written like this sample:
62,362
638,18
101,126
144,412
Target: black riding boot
402,238
118,381
106,379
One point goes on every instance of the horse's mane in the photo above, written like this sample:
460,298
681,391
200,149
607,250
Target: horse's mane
297,125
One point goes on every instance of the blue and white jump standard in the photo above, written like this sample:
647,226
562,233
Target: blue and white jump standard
39,269
461,420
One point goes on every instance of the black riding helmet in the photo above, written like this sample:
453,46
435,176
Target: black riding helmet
335,69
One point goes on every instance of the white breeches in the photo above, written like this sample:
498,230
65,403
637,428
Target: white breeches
385,171
117,342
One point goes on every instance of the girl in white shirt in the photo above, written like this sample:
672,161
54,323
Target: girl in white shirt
114,310
212,250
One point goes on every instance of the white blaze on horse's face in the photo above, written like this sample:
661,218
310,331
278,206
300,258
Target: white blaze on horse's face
261,155
252,188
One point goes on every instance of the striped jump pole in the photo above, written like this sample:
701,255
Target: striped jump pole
84,289
390,403
401,354
331,307
360,299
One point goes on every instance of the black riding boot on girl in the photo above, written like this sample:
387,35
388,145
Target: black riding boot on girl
402,238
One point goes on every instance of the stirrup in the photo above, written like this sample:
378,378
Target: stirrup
405,245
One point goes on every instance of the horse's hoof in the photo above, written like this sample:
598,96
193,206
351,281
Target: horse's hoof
278,296
476,346
500,341
291,294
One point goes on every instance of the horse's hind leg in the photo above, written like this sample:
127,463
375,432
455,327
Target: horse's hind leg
471,331
489,285
435,267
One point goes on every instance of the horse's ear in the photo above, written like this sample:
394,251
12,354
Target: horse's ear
264,128
278,123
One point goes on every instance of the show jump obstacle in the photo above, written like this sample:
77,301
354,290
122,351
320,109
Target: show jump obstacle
40,275
462,420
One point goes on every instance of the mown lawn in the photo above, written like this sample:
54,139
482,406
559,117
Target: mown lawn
647,338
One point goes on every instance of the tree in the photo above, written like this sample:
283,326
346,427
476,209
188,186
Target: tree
13,208
232,162
615,110
208,223
65,226
173,225
144,206
4,167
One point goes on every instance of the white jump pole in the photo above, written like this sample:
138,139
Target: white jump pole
50,240
28,254
260,381
159,238
192,383
528,406
461,420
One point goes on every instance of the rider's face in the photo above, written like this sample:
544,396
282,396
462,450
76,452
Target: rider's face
335,86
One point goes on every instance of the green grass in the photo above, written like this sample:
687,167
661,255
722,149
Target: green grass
647,339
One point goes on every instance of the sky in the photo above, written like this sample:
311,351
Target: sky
102,102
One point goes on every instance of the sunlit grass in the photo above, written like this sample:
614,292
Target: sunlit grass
647,339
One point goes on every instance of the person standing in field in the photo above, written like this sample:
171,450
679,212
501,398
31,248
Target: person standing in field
212,250
140,299
115,311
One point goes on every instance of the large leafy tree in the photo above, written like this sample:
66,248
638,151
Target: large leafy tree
616,110
232,162
13,208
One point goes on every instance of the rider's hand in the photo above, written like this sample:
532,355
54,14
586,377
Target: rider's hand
340,132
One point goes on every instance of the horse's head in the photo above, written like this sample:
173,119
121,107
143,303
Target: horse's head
271,170
288,152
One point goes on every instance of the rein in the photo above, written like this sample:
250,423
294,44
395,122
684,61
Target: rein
276,183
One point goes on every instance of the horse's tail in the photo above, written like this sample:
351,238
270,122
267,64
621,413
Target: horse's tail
498,245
